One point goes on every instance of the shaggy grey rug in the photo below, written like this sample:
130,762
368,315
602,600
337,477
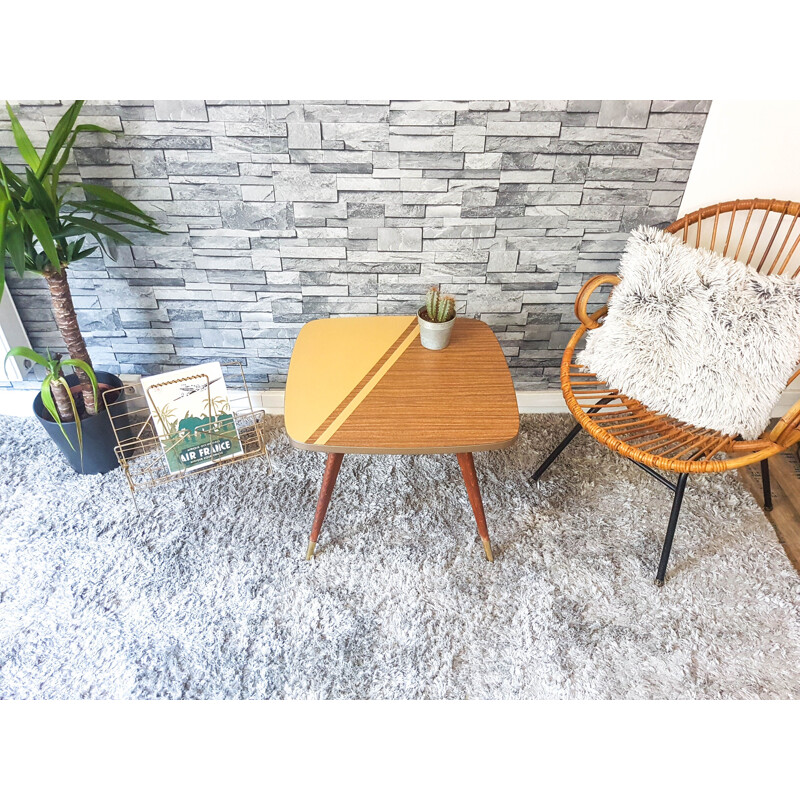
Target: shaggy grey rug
206,594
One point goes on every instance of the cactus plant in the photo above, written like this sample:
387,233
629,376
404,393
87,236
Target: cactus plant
440,307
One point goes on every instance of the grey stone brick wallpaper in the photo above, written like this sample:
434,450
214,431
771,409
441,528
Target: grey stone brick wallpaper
278,212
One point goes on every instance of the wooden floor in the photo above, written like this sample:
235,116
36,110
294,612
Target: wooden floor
784,470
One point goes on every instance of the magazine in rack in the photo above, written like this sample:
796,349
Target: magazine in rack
192,416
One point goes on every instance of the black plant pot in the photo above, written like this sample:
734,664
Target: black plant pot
98,435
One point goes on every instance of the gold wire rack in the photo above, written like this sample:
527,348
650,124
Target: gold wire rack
141,451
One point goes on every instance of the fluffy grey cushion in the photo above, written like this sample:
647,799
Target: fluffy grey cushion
700,337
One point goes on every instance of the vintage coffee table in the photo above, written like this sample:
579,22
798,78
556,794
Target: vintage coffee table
366,385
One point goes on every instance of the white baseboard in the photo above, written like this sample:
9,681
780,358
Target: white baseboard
544,402
271,401
17,402
547,401
788,399
12,334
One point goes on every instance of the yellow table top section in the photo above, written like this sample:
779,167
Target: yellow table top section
331,357
366,385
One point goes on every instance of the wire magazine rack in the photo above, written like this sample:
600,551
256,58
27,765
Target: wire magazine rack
141,452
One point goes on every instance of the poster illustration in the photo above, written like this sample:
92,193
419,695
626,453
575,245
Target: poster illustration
192,416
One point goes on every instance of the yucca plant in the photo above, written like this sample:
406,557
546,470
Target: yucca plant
46,226
59,404
440,307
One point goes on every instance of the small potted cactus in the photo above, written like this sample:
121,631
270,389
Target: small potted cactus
436,319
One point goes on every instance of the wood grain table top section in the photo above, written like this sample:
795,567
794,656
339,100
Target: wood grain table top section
366,385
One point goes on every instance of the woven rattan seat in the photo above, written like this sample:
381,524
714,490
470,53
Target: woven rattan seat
762,233
655,440
628,427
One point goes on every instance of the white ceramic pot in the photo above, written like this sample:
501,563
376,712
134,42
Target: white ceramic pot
434,335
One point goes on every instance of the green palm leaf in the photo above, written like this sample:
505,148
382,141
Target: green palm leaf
76,362
10,180
97,229
26,352
40,195
58,137
78,430
62,162
26,149
54,375
38,223
110,199
94,208
35,218
50,405
4,204
15,244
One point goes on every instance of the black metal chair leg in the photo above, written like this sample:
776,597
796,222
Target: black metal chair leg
564,442
765,483
673,522
556,453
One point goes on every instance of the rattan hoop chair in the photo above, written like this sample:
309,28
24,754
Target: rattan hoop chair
764,232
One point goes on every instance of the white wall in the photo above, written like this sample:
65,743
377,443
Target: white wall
749,148
12,334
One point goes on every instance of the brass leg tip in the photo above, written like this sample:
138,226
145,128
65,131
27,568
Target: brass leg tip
310,551
659,582
487,546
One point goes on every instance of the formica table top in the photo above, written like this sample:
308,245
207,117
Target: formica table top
366,385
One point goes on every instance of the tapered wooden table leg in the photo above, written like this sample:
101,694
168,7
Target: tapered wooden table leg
328,482
354,387
467,464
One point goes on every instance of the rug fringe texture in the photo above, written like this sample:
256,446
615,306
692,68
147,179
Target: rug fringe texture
206,593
